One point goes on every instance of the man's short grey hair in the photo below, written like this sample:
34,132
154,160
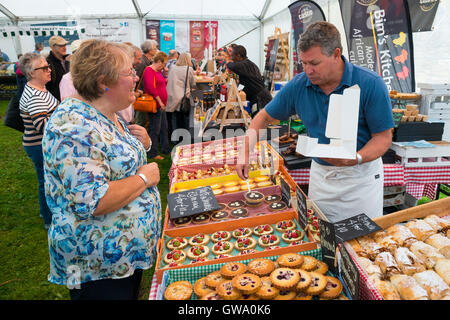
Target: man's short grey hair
26,63
148,45
322,34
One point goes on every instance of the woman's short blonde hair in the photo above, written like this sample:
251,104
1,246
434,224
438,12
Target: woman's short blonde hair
97,61
184,59
160,56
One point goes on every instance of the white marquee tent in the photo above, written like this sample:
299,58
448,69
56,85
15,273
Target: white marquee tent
248,22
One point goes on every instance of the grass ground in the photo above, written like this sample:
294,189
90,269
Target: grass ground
23,241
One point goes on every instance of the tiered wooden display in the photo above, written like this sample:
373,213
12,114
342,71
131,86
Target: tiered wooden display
232,111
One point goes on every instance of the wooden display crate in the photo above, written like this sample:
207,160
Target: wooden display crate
438,207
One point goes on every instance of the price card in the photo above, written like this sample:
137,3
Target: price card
349,272
285,192
355,227
191,202
302,208
328,244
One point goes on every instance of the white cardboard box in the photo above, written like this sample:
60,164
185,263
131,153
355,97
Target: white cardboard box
341,128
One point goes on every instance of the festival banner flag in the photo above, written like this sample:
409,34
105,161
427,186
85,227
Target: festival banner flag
422,13
152,30
167,35
197,39
379,38
210,33
303,13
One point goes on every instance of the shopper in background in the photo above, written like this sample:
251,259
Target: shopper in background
175,91
173,57
38,47
155,85
20,78
127,114
339,187
149,49
3,58
36,106
103,194
250,77
57,60
66,88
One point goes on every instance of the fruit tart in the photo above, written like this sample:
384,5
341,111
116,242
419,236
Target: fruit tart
292,235
222,247
241,233
245,243
285,225
177,243
263,229
268,240
220,236
199,251
175,256
199,239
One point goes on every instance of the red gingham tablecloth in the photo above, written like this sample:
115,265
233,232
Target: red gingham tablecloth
419,181
153,288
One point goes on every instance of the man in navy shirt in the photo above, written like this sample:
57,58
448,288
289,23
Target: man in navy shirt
340,187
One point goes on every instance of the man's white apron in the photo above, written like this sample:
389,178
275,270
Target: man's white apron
342,192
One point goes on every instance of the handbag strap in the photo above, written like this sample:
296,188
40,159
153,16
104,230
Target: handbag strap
154,80
185,80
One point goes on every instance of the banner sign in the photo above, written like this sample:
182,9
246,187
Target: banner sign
379,38
167,35
210,37
43,30
152,30
303,13
197,39
422,13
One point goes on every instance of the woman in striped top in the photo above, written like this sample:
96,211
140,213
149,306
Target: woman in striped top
36,107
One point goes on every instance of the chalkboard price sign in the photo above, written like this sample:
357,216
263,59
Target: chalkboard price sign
328,243
190,202
349,273
285,192
355,227
302,208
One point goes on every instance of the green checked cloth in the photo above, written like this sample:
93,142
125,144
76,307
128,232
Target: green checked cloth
192,274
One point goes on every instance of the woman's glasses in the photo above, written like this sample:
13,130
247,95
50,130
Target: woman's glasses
132,73
44,68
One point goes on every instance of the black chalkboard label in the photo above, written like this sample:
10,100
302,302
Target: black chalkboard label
190,202
328,244
349,273
354,227
285,192
302,208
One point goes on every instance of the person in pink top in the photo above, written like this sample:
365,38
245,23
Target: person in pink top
155,84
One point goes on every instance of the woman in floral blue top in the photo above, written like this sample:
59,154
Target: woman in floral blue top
102,193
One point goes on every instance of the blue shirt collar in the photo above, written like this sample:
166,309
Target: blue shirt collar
346,78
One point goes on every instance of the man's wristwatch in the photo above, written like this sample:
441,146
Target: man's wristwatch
359,158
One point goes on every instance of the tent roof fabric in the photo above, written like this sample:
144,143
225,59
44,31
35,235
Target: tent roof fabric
73,9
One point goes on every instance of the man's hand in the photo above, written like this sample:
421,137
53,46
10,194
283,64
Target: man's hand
341,162
242,171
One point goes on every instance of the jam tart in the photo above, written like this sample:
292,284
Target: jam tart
263,229
176,243
199,239
302,296
226,290
290,260
232,269
179,290
196,252
261,267
292,235
201,289
309,263
333,289
176,256
321,267
284,278
268,240
247,283
285,225
305,280
245,243
267,290
241,233
220,236
318,284
213,279
222,247
286,295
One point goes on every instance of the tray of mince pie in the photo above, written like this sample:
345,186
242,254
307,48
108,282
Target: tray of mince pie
237,205
202,247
